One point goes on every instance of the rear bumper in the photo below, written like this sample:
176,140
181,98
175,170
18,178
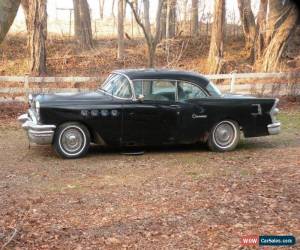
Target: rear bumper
274,128
37,133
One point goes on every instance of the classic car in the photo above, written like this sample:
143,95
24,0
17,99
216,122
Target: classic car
148,107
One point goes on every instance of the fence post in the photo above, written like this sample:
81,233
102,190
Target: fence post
26,87
232,83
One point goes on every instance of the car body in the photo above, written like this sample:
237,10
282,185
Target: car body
148,107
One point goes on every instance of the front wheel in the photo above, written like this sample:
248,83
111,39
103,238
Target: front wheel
224,136
71,140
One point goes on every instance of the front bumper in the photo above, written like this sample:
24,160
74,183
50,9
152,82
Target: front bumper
37,133
274,128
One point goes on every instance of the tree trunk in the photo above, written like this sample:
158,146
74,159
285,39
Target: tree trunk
37,22
195,18
8,11
83,27
151,40
171,18
248,24
163,21
147,16
274,18
151,55
279,40
215,57
25,6
101,9
121,29
261,28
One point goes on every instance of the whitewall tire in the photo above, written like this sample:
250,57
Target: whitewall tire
71,140
224,136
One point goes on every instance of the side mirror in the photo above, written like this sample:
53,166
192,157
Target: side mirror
140,98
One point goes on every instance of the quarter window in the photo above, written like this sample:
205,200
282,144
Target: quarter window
188,91
118,85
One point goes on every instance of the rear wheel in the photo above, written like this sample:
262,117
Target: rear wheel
72,140
224,136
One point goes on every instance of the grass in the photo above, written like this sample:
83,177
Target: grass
290,121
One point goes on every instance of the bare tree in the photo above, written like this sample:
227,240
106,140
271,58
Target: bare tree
281,30
248,24
101,9
83,27
121,7
215,57
25,6
261,29
274,18
163,21
152,40
37,27
147,16
171,18
8,11
195,18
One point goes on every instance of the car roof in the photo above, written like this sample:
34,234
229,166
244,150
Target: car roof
135,74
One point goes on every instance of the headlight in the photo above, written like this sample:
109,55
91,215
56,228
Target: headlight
37,109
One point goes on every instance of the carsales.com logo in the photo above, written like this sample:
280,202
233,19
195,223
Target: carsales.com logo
265,240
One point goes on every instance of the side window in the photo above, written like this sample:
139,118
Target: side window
159,90
187,91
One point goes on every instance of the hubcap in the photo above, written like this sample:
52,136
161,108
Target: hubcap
72,140
224,134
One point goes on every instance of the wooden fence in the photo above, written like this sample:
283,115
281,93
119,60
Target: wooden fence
271,84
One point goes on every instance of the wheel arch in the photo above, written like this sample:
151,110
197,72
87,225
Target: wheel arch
95,136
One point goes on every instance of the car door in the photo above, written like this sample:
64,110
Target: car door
193,112
153,120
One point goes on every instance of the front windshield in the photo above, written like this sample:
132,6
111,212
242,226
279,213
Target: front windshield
117,85
213,90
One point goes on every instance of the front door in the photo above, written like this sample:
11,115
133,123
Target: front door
154,120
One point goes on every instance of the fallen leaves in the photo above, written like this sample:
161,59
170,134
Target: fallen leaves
168,198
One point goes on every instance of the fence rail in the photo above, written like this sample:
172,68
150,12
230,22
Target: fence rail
18,87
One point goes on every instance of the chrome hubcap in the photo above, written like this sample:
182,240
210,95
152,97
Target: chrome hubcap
224,134
72,140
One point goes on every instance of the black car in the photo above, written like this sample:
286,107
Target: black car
148,107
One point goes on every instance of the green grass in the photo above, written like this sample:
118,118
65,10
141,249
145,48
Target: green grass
290,121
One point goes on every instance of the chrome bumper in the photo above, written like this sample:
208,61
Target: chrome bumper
37,133
274,128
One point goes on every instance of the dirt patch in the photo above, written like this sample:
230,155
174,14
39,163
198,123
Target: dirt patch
170,198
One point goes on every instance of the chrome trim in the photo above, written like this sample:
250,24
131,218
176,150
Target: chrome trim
37,133
259,110
194,116
23,118
32,116
274,111
133,97
274,128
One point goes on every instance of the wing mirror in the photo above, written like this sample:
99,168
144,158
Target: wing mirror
140,98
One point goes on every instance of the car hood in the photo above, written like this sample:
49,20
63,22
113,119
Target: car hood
95,97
